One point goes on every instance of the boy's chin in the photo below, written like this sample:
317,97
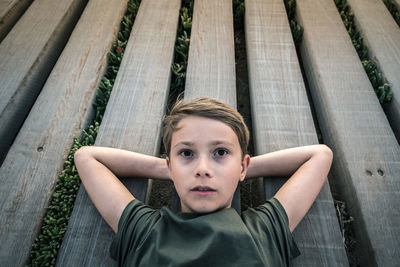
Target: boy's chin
201,208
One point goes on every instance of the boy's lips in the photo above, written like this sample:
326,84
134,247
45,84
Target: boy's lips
203,190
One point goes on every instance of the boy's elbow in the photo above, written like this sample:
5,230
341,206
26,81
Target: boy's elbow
326,155
82,153
324,149
327,152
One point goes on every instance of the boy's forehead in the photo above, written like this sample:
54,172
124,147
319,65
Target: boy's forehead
202,123
193,128
196,119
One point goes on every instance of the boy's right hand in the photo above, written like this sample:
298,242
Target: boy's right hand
98,168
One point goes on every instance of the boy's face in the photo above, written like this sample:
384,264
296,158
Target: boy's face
205,164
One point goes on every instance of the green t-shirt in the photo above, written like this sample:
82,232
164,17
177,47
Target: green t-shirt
159,237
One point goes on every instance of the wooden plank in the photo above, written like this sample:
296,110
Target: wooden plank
211,65
132,120
29,174
282,119
381,35
10,12
366,162
27,55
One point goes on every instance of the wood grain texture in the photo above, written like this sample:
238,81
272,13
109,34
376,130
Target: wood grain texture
10,12
27,55
211,64
28,175
282,119
366,164
381,35
132,120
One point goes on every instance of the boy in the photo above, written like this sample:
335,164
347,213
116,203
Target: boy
206,143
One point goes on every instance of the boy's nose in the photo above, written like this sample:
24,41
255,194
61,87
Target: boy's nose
203,168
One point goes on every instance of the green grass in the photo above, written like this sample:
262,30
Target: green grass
181,56
393,10
376,77
296,28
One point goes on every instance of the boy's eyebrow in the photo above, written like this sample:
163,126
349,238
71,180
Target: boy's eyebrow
214,143
184,143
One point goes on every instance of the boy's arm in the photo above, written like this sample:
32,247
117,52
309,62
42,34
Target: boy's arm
98,168
308,167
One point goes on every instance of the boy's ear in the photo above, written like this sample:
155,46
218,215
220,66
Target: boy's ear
245,165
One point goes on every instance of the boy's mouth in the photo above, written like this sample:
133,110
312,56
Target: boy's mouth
203,190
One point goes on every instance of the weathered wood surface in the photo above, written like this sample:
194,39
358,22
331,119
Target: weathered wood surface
282,119
30,170
132,121
211,66
366,164
381,35
27,56
10,12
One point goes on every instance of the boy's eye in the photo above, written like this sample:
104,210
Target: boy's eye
186,153
220,152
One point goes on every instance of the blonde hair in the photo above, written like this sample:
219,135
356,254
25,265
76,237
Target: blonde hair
208,108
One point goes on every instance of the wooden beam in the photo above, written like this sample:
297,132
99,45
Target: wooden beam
211,66
29,172
10,12
366,163
27,56
282,119
133,121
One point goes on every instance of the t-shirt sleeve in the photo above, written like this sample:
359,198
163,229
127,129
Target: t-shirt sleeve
276,227
135,223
